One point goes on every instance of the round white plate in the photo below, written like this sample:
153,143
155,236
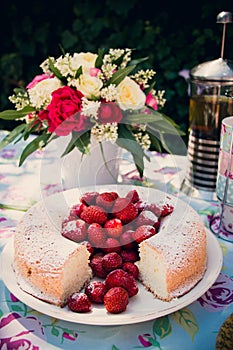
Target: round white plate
142,307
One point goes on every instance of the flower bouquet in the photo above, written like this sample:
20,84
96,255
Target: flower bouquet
105,96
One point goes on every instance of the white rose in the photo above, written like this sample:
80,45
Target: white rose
40,94
86,60
89,86
129,95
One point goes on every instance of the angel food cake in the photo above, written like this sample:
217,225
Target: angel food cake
160,239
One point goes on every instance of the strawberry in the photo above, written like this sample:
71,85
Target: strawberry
95,291
127,241
116,300
88,246
111,261
166,209
129,255
131,268
133,196
75,230
146,217
140,205
105,200
124,211
143,232
121,278
97,266
94,214
96,235
79,302
111,245
76,210
113,227
114,195
89,198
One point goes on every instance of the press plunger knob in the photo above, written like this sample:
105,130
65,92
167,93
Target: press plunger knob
224,18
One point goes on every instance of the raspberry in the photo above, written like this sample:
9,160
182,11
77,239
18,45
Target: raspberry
79,302
105,200
111,245
143,232
97,266
94,214
95,291
96,235
146,217
127,214
89,198
75,230
121,278
127,241
111,261
113,227
129,255
131,268
133,196
116,300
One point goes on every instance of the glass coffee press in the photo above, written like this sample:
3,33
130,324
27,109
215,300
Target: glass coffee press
211,100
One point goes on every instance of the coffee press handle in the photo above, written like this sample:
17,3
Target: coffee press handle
224,18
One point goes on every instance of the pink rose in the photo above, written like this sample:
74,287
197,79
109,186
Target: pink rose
151,101
37,79
109,112
64,112
94,72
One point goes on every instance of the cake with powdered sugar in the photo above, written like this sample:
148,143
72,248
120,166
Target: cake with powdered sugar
51,260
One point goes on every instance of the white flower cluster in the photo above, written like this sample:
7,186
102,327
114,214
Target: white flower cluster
143,76
90,108
159,97
20,100
143,139
105,132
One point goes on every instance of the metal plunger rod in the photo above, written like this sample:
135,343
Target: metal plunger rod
224,17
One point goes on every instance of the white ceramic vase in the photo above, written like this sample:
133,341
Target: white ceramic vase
95,168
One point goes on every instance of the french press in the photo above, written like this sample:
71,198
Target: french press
211,100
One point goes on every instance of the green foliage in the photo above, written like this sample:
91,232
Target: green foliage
173,38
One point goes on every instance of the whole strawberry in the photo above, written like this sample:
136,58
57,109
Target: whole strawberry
94,214
96,235
113,227
116,300
146,217
75,230
143,232
131,268
121,278
89,198
111,261
96,290
127,211
133,196
79,302
105,200
127,241
111,245
96,263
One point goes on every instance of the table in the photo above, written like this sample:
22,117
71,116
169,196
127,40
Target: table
194,327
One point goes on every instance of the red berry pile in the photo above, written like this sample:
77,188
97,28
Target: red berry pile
111,227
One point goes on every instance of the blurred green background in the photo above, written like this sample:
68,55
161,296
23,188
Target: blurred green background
175,36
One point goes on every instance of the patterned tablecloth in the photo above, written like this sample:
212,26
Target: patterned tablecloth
193,327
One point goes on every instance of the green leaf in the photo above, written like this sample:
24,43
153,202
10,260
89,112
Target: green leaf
187,321
162,327
127,140
12,114
12,135
55,71
142,118
120,74
79,72
35,144
81,141
137,61
99,60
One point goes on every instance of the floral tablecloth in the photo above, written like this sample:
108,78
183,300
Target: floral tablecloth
193,327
